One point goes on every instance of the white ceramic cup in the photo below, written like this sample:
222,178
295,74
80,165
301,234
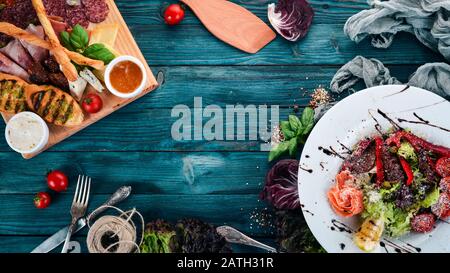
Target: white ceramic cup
108,79
40,143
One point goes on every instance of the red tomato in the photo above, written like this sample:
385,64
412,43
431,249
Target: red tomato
443,166
92,103
173,14
57,181
42,200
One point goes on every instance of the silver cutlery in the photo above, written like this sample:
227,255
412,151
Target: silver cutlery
58,238
234,236
79,206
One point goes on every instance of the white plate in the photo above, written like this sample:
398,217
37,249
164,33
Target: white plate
348,122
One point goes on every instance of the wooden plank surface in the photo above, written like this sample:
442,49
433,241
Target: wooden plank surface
146,124
189,178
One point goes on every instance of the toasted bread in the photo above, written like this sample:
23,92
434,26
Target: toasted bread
54,105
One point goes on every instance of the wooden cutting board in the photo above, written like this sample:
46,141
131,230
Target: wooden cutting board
125,45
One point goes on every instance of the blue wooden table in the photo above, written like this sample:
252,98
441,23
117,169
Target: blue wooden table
217,181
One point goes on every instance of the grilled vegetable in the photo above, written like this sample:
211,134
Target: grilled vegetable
368,236
53,105
12,94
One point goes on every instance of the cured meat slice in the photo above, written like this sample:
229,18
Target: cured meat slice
16,52
37,53
55,7
76,15
393,170
96,10
9,67
21,14
362,159
58,25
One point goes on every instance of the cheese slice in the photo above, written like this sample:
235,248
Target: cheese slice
105,34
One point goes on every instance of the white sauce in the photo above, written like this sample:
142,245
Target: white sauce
25,132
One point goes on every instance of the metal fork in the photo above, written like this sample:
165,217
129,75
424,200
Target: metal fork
79,206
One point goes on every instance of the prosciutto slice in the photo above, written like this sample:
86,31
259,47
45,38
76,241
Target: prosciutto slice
16,52
37,53
9,67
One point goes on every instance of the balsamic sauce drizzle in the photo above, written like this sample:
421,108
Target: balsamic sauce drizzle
408,248
422,121
330,152
377,124
341,227
305,169
401,91
384,115
348,150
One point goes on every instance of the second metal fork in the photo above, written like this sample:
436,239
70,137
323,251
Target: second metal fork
79,206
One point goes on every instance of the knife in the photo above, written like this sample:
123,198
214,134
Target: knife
58,238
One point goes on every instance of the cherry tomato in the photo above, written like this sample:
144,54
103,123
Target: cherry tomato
92,103
57,181
173,14
443,166
42,200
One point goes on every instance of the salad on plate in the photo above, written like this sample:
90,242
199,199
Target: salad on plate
396,183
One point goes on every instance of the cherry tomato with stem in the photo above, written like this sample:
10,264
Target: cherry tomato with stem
42,200
92,103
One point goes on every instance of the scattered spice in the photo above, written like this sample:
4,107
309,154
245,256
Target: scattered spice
262,218
320,96
277,136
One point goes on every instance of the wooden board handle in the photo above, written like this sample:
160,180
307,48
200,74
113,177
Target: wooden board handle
232,24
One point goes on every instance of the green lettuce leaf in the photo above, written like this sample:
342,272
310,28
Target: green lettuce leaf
406,151
430,199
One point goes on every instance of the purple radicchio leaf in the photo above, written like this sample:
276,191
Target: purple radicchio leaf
291,18
281,185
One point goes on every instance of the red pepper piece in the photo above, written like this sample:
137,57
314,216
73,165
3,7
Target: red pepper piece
379,160
408,171
418,143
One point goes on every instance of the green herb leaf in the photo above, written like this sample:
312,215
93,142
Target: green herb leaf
307,120
295,123
79,37
278,150
65,40
99,52
293,147
286,129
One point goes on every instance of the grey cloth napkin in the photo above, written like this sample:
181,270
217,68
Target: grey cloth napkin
434,77
428,20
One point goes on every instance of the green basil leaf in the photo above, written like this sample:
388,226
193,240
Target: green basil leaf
295,123
293,147
278,150
79,37
286,129
99,52
65,40
307,120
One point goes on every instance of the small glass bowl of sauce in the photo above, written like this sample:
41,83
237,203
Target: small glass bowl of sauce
125,77
26,133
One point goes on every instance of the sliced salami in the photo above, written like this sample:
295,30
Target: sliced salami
76,15
96,10
55,7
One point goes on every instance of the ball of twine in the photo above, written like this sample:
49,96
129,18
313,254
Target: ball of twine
121,229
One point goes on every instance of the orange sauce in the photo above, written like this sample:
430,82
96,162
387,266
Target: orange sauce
126,77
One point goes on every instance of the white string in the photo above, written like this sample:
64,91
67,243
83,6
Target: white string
121,226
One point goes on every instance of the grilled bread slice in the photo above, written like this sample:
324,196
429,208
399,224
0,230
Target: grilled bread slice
54,105
12,94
